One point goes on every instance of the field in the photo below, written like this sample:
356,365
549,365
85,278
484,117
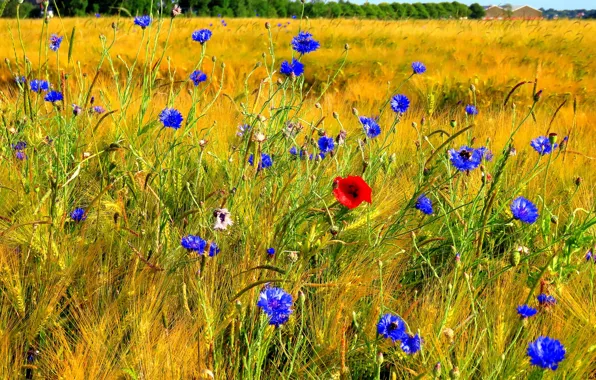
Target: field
98,278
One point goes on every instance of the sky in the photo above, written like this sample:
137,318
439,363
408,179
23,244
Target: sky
556,4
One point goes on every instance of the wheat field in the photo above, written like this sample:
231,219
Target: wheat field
114,294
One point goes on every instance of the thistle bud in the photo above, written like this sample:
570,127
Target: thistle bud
437,370
76,110
453,123
578,181
318,105
472,88
341,137
176,10
267,25
355,112
380,358
346,47
552,138
449,334
537,96
262,118
334,230
454,373
335,115
514,258
414,125
203,143
554,219
423,121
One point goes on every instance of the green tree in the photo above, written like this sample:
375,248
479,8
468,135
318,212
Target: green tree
477,11
421,11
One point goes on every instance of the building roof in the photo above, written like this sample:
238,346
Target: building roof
513,7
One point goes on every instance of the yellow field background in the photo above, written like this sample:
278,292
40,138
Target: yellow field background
490,56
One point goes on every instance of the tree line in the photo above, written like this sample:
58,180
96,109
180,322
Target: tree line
271,8
260,8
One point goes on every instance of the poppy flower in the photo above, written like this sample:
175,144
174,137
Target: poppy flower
351,191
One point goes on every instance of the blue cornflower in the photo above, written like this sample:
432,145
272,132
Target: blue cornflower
271,251
589,256
194,243
55,42
294,17
213,249
197,77
488,155
295,68
39,85
400,103
265,162
526,311
97,15
302,154
471,110
53,96
542,145
392,327
418,67
546,352
143,21
171,118
424,204
410,344
546,300
242,129
524,210
78,215
202,35
326,144
371,128
20,145
466,158
303,43
277,304
98,109
20,155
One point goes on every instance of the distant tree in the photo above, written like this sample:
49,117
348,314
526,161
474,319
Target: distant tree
410,11
431,8
399,10
335,9
421,11
388,11
449,8
477,11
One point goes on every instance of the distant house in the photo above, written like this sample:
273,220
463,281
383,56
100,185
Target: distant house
494,12
519,12
525,12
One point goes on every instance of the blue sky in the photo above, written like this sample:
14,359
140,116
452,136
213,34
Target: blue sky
556,4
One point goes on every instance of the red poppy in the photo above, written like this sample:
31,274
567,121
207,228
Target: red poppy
351,191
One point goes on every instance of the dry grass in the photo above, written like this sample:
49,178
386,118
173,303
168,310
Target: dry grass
116,297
